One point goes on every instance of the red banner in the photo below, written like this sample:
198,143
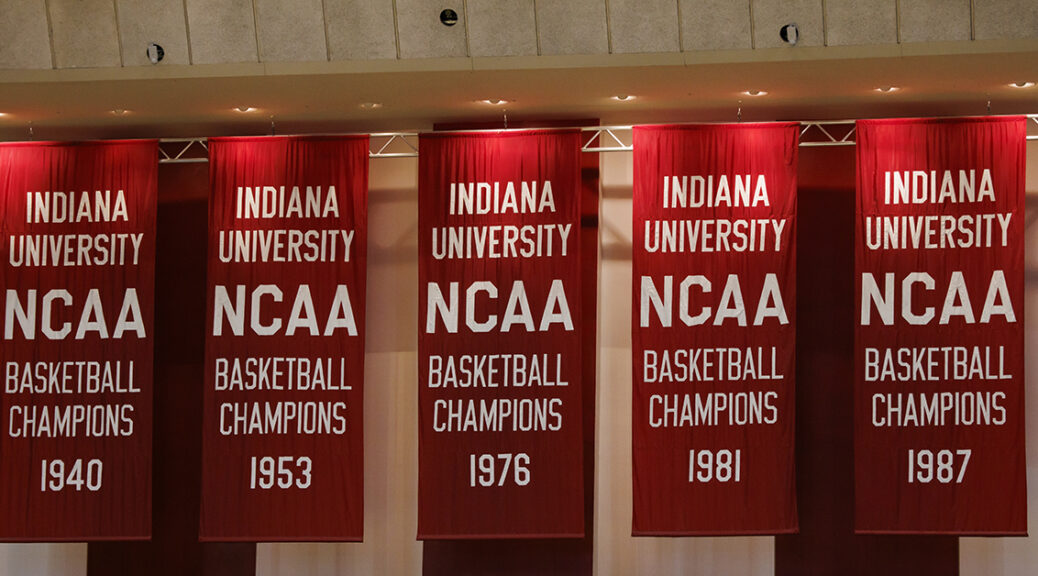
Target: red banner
500,447
282,454
714,329
78,239
939,355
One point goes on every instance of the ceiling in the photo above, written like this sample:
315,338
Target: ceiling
193,101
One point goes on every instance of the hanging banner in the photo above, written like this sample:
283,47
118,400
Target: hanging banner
499,365
78,239
282,453
714,330
939,340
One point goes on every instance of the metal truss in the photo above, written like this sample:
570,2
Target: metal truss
833,133
821,133
607,139
393,145
380,145
183,150
596,139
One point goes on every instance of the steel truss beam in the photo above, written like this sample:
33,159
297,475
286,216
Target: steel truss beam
183,150
596,139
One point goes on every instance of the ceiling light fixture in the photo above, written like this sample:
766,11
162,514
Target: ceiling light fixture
245,109
623,97
887,89
494,101
370,105
1022,84
755,92
119,111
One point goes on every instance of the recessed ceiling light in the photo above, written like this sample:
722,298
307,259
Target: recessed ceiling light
887,89
245,109
755,92
3,113
370,105
119,111
1022,84
623,97
494,101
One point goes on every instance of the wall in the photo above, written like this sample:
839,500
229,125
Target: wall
43,559
391,441
1019,556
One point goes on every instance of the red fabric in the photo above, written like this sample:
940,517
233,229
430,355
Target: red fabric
116,502
320,498
749,431
894,492
548,502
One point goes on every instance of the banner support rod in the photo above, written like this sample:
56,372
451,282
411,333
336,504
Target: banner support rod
813,133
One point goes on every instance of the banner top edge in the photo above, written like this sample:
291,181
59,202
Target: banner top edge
710,125
949,120
77,143
289,137
518,132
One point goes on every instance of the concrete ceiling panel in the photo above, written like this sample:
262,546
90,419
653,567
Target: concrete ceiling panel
769,16
142,22
360,29
24,37
935,20
855,22
1005,19
502,28
84,33
715,24
572,27
643,26
221,31
291,30
422,35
